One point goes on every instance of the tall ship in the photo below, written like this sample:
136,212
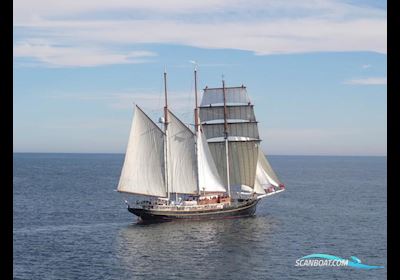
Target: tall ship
215,169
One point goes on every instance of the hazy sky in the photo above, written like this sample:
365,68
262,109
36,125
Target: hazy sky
315,70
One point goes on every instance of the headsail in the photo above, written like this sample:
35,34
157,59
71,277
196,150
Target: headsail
265,176
267,171
143,170
181,157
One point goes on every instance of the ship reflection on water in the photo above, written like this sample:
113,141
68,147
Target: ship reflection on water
196,249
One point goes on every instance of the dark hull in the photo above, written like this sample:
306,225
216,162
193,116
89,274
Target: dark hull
150,215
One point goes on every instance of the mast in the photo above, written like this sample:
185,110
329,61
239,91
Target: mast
196,110
196,126
166,99
226,140
166,133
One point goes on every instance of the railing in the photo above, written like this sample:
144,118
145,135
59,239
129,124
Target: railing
184,207
154,205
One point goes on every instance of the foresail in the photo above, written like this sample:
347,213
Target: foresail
209,179
143,169
181,157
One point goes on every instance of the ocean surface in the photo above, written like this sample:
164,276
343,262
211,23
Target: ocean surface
69,223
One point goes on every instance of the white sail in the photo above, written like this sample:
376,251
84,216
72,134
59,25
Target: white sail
143,170
266,170
181,157
242,161
242,130
265,176
212,113
261,182
245,129
209,179
234,96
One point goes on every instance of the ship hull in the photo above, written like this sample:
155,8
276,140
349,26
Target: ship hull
150,215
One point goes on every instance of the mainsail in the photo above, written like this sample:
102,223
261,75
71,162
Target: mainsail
143,170
243,137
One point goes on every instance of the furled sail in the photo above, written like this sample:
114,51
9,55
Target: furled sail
143,169
243,136
181,157
209,179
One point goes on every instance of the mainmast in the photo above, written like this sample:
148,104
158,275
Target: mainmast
226,140
166,133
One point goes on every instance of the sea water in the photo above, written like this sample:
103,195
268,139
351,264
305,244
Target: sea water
70,223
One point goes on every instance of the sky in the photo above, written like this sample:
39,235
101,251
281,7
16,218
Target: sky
314,69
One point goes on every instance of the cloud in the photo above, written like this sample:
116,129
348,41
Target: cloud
365,66
261,27
25,10
59,56
367,81
261,37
